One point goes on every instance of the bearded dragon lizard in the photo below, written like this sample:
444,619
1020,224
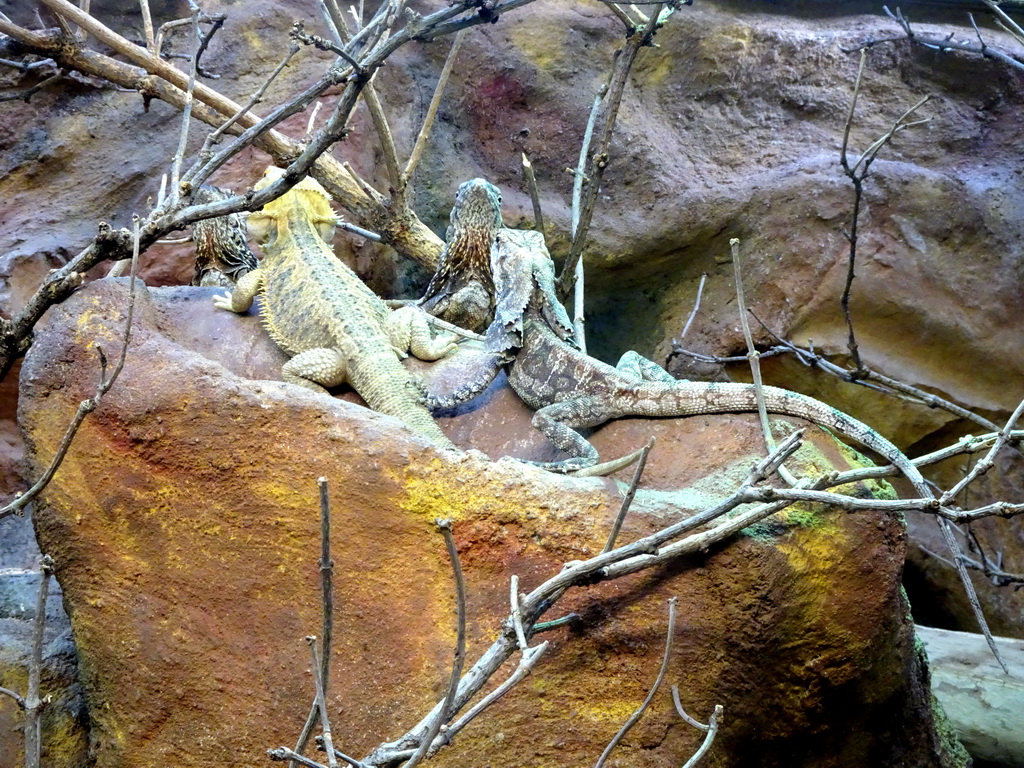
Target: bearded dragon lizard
461,290
319,312
222,251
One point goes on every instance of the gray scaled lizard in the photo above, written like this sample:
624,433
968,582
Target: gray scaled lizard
461,290
320,313
532,336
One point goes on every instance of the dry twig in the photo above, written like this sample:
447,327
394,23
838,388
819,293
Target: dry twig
666,658
85,407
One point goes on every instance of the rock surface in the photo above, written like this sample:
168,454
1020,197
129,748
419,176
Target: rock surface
731,128
981,700
185,530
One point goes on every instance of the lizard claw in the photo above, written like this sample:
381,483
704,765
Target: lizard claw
223,301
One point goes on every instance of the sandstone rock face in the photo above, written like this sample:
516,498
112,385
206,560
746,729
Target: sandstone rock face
184,526
730,128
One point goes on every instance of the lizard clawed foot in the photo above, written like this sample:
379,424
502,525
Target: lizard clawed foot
223,301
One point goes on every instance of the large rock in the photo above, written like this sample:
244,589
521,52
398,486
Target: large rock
730,128
185,530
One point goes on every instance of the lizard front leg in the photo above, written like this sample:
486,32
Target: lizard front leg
409,331
240,299
316,369
638,368
559,422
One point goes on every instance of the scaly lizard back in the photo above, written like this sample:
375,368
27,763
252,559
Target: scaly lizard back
222,251
319,311
461,290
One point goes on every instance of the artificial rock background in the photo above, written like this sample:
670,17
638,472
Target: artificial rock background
731,128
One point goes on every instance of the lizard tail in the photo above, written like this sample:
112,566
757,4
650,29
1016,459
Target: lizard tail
717,397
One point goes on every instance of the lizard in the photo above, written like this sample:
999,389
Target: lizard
533,338
333,327
461,290
222,251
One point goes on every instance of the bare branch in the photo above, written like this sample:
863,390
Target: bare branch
33,704
628,498
531,186
447,708
321,702
19,700
635,717
147,26
435,102
716,720
752,357
988,460
599,158
186,113
682,712
517,616
283,753
86,406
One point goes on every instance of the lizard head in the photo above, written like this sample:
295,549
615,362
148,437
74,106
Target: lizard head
477,206
307,198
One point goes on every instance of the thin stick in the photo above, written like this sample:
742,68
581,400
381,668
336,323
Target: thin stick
283,753
628,499
713,723
579,322
581,164
517,616
33,703
147,25
186,113
387,140
335,18
849,115
339,754
446,710
531,186
988,460
321,702
752,357
635,717
599,157
257,96
312,119
578,319
696,307
530,658
327,615
857,179
682,712
435,102
623,17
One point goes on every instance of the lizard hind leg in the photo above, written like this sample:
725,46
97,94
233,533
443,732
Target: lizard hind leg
559,422
316,369
409,331
638,368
